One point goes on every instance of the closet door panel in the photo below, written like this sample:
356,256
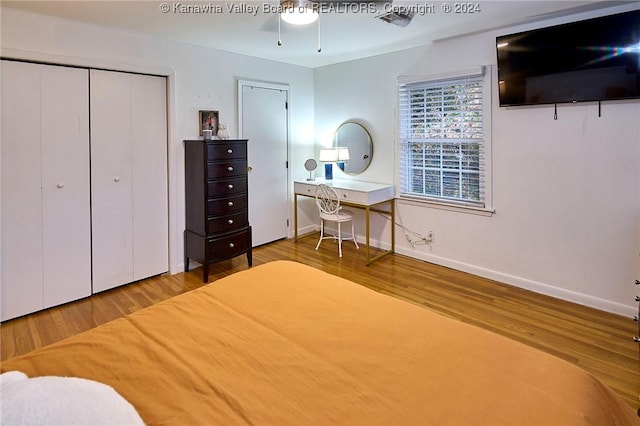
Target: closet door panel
150,203
65,185
21,285
111,175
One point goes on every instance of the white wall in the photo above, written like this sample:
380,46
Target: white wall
199,78
566,192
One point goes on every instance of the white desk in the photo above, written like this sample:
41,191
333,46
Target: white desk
365,195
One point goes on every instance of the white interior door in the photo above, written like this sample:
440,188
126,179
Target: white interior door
111,174
21,286
129,177
66,218
45,187
150,197
263,118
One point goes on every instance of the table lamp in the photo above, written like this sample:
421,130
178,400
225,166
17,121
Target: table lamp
328,156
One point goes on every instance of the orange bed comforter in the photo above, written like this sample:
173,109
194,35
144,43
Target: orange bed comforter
286,344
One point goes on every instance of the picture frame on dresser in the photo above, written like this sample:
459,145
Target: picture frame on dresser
216,202
208,120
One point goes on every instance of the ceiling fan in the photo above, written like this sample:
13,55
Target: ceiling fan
385,11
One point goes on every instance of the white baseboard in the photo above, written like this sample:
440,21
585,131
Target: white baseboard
538,287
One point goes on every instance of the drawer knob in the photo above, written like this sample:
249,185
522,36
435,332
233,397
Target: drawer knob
232,245
637,282
230,221
60,185
116,179
636,339
229,151
230,186
637,298
230,168
230,203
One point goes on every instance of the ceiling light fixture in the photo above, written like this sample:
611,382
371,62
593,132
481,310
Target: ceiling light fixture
299,12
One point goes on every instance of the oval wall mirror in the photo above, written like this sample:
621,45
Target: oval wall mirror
356,138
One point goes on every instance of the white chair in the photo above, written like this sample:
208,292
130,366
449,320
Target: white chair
329,205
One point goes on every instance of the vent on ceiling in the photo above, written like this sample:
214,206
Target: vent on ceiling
401,19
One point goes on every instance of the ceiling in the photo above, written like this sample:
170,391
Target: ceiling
348,29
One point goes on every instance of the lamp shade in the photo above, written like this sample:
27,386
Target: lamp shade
298,12
328,155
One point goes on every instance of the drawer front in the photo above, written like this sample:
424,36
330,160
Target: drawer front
223,224
226,150
305,188
223,206
229,246
230,168
222,188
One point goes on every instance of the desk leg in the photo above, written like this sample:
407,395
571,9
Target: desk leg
295,217
392,213
393,225
366,215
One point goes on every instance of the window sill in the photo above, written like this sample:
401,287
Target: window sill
441,205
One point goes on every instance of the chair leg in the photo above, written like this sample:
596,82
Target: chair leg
321,233
339,240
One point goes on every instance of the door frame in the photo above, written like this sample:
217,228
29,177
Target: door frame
242,83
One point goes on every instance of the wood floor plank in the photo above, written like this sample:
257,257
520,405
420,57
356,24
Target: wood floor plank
597,341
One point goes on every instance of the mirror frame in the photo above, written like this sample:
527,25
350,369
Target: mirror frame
366,152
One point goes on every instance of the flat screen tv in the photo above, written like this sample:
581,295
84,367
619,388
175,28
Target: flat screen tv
592,60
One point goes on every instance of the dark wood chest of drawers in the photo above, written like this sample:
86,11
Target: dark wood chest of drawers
217,205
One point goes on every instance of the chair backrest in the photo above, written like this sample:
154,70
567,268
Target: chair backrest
327,199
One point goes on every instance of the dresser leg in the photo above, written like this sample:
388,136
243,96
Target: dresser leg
205,262
249,252
186,257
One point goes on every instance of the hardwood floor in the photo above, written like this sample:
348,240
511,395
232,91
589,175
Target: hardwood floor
597,341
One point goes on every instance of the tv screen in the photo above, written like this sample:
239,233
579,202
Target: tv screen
592,60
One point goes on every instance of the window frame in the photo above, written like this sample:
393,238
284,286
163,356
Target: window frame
485,207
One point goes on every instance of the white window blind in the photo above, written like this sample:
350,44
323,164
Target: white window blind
441,139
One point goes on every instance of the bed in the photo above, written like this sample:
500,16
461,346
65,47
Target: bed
286,344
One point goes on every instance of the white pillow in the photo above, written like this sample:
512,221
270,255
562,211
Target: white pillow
50,400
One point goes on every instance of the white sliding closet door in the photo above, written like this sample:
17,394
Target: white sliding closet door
129,177
45,187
